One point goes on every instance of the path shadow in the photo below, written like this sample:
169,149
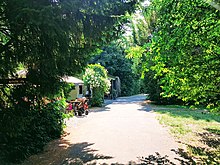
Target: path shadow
211,137
145,107
127,100
204,154
153,159
82,153
157,159
180,112
80,117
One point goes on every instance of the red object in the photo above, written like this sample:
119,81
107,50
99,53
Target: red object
85,106
70,106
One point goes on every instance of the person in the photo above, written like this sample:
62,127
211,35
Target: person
88,94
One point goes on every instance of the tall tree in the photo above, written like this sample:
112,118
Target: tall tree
55,38
142,26
50,39
113,59
185,50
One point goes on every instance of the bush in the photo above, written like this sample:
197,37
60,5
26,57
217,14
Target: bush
26,126
96,78
97,98
152,87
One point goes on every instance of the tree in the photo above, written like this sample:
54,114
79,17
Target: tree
185,50
113,59
55,38
138,51
50,39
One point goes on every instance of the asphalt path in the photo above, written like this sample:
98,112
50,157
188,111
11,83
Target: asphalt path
120,132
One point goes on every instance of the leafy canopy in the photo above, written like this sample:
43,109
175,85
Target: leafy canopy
50,39
55,38
183,52
113,59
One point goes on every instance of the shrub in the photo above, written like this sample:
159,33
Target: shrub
97,79
27,124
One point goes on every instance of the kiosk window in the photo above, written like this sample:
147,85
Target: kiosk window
80,89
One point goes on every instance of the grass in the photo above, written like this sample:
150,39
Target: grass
199,130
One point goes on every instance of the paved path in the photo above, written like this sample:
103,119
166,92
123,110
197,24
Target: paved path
119,132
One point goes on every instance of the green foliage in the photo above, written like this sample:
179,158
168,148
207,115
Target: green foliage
139,53
183,53
66,89
190,58
135,53
97,97
56,37
113,59
97,79
152,88
27,124
51,39
190,125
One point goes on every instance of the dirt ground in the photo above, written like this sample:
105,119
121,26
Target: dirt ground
121,132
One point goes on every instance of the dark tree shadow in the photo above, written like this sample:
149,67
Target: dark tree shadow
127,100
211,137
82,153
205,156
82,116
187,159
180,112
104,108
145,107
158,159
